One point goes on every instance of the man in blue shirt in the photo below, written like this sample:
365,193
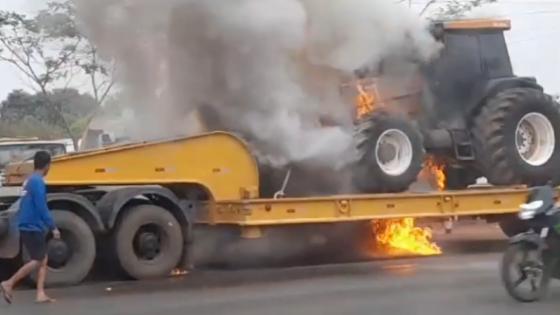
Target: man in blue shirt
34,223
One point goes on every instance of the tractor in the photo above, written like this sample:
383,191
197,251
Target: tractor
468,109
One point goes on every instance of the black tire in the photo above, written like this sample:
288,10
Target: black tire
494,133
170,240
79,238
507,261
369,177
511,226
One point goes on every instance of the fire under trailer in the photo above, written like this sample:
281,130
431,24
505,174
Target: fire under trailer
149,208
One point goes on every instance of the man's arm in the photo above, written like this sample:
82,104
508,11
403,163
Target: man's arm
38,193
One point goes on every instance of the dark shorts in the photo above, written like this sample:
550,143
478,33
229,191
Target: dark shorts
35,243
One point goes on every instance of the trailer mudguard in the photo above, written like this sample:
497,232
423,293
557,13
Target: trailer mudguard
79,205
112,203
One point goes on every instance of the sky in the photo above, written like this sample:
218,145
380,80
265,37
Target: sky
533,41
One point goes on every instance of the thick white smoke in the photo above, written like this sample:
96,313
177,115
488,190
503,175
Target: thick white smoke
269,70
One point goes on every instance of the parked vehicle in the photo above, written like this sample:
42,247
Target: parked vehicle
13,150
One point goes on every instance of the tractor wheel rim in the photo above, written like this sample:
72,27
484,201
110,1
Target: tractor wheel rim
534,139
393,152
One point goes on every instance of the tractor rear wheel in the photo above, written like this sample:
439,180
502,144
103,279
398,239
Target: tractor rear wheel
391,153
517,138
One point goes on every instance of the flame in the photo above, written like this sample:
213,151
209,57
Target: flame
437,170
365,101
402,237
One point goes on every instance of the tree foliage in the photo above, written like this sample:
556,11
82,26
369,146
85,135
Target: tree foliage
49,51
29,115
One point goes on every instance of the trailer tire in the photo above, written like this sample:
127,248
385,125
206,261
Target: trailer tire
71,258
148,241
405,153
517,138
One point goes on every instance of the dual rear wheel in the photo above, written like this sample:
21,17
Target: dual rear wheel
147,243
72,257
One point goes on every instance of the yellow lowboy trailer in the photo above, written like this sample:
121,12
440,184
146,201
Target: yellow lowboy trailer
150,206
344,208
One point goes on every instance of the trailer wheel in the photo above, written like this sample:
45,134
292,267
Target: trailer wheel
70,258
148,242
517,138
391,153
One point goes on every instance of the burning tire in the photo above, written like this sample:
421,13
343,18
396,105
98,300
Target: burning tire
148,242
516,138
391,153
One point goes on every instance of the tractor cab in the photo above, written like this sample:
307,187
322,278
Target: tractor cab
474,51
472,113
474,55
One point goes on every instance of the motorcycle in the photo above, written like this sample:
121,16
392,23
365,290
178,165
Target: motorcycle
532,257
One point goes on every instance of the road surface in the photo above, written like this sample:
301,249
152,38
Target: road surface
462,281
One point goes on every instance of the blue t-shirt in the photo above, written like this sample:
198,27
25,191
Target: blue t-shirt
34,214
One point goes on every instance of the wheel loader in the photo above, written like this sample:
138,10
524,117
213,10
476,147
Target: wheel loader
466,108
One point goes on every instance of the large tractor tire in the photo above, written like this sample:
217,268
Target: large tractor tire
517,138
148,242
391,153
71,258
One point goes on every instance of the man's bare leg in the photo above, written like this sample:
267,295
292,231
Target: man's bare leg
23,272
42,297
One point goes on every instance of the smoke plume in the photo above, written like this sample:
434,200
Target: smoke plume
269,70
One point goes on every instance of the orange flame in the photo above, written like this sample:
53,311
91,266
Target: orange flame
401,237
365,101
437,170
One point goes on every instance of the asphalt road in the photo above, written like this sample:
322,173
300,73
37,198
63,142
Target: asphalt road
462,281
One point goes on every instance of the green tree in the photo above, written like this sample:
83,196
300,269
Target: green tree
39,49
21,109
49,51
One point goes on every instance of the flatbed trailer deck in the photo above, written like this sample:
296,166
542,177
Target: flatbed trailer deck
474,202
142,204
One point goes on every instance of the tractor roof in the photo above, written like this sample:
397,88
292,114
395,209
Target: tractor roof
475,24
